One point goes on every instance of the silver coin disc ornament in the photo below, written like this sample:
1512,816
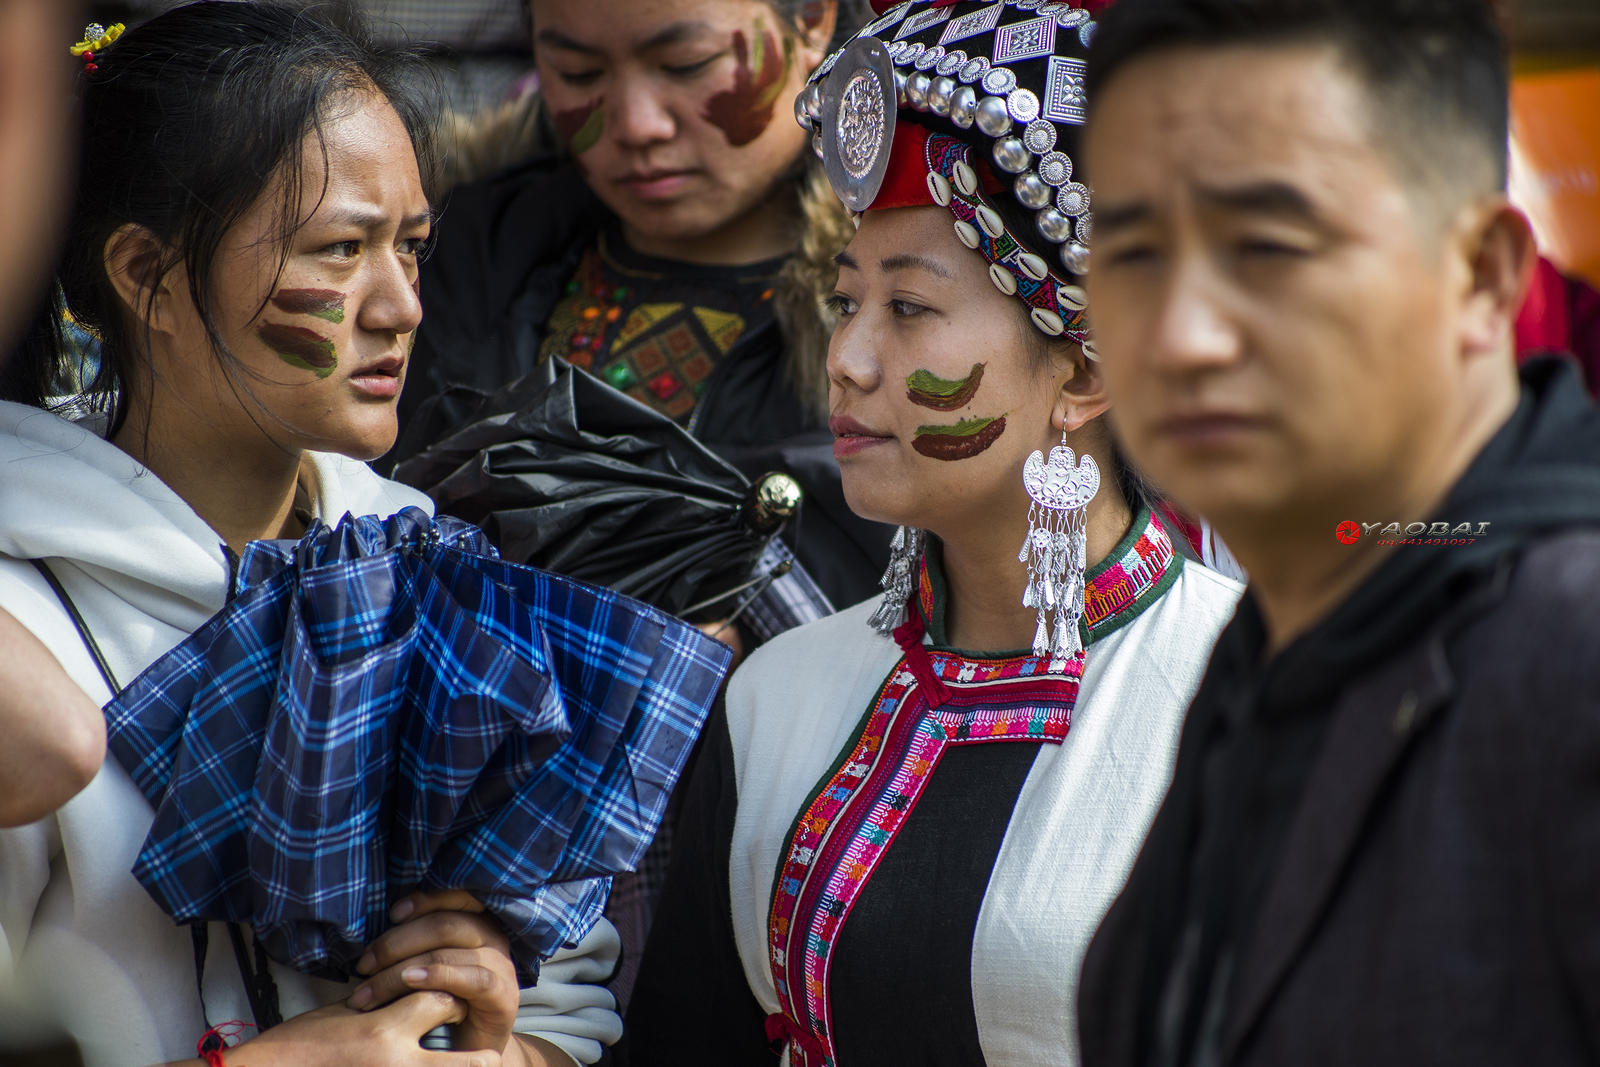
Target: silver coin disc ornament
858,120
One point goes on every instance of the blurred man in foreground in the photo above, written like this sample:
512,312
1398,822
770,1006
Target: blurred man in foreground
1382,842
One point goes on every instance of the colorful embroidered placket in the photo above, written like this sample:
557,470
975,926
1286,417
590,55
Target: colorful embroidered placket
848,825
851,822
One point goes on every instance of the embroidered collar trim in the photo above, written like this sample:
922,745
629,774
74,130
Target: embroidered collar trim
1117,590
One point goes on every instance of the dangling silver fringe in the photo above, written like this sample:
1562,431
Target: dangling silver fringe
905,559
1056,546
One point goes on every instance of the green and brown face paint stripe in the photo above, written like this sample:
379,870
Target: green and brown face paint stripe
299,347
965,439
325,304
926,389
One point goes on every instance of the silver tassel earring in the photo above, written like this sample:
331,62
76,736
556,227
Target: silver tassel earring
905,558
1056,545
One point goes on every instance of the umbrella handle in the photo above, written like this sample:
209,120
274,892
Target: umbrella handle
439,1039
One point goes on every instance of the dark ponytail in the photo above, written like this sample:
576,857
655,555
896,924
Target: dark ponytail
187,122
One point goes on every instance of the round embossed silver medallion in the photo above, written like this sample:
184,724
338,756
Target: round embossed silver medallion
858,120
930,59
999,81
952,62
1040,136
1073,199
860,127
976,68
1055,168
1023,105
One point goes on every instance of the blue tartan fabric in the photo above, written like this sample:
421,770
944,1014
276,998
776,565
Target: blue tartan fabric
387,705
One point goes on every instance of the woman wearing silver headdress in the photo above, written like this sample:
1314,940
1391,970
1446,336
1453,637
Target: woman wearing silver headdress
896,848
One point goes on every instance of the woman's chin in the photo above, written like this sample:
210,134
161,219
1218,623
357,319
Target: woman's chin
361,439
881,499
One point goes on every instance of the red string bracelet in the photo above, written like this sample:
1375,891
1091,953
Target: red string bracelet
220,1038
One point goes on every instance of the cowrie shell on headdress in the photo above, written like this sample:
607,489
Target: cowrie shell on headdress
1091,351
1047,321
967,233
966,178
1073,296
939,188
989,221
1034,267
1003,279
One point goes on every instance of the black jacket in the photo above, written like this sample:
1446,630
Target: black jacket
1429,888
506,247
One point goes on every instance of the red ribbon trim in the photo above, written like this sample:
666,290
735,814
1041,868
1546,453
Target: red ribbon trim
781,1028
909,637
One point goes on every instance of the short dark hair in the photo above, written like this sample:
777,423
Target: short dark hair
1435,71
187,122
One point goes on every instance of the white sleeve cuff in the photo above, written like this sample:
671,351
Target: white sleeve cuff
567,1007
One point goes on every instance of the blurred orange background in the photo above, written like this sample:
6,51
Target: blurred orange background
1555,164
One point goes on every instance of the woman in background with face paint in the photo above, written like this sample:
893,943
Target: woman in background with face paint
672,235
244,242
911,818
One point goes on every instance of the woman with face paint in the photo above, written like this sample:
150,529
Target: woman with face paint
672,235
244,243
913,814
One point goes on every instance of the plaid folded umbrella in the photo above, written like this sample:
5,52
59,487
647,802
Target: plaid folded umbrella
386,706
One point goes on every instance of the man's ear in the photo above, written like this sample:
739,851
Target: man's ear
134,258
1501,255
817,20
1081,396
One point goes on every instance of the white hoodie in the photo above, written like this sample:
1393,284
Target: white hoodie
78,934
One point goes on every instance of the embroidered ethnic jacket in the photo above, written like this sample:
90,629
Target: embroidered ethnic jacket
865,878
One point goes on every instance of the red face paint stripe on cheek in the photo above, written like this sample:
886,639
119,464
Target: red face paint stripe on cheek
325,304
300,347
743,112
965,439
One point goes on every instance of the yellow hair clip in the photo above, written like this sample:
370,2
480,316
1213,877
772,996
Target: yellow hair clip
96,38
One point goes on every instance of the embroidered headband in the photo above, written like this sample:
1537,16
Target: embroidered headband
96,38
1014,70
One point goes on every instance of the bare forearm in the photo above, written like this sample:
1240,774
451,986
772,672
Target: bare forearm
537,1052
52,736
